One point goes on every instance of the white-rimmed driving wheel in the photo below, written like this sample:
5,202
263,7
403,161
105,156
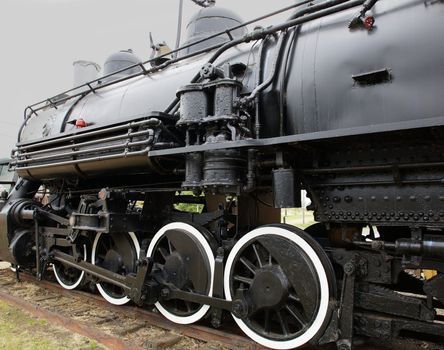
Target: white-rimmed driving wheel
69,277
117,252
288,279
183,255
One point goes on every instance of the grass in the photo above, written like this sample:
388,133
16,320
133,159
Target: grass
19,331
298,217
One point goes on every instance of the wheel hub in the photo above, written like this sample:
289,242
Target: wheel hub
269,288
175,270
113,261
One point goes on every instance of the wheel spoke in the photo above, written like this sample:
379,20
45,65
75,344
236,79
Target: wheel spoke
267,321
243,279
293,297
258,257
170,246
283,323
296,315
163,252
188,306
248,264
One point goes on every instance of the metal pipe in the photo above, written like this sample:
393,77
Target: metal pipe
73,153
93,159
85,133
26,214
274,70
179,28
23,189
372,168
88,143
257,122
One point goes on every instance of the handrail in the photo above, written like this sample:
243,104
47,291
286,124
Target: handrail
53,101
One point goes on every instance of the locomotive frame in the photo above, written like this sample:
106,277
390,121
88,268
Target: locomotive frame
234,256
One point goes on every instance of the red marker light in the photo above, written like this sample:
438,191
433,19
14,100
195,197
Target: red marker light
369,22
80,123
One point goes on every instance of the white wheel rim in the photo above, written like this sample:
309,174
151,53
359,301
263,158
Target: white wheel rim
210,256
322,275
78,282
105,295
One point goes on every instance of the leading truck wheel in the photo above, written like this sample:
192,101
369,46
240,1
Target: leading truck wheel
69,277
117,252
289,281
183,255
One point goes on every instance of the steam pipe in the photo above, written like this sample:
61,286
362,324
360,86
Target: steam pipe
257,122
274,70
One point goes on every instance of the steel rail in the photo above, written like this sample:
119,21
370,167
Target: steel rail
72,325
230,340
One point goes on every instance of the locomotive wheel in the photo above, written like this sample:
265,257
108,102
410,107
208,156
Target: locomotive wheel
67,276
117,252
288,279
185,259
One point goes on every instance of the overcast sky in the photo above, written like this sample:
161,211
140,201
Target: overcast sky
40,39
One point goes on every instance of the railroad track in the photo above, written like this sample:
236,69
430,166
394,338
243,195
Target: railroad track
131,327
116,327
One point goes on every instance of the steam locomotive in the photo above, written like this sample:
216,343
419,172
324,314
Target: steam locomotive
343,100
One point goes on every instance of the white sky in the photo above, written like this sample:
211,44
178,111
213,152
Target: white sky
40,39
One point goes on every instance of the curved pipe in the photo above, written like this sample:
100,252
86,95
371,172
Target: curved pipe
257,122
274,70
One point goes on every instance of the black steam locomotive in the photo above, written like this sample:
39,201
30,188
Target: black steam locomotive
344,100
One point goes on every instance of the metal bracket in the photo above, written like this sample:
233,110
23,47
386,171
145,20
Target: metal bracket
218,288
346,308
